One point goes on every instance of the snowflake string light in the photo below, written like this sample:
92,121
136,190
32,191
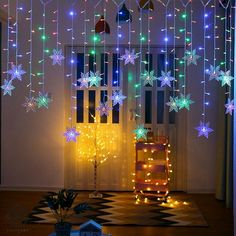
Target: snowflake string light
229,107
104,109
30,104
204,129
94,79
165,78
173,104
43,100
184,101
148,77
71,134
117,97
84,80
129,57
191,57
141,132
225,78
57,57
7,87
214,72
16,72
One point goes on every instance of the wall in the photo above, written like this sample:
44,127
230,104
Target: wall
33,145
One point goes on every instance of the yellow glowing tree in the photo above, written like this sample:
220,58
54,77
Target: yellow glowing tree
97,143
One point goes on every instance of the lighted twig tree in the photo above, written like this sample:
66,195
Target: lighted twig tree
97,144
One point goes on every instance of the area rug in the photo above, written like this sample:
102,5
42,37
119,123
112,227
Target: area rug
120,208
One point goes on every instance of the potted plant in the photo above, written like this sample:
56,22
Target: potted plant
60,204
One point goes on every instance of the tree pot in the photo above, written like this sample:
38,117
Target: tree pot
62,229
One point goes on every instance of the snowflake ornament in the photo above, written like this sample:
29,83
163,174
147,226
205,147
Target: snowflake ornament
173,104
117,97
129,57
103,108
94,79
214,72
16,72
57,57
84,80
191,57
225,78
229,107
204,129
30,104
71,134
184,101
7,87
141,132
148,77
165,78
43,100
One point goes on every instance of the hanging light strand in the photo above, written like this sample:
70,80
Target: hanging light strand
31,48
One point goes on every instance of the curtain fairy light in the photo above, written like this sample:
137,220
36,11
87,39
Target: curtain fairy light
30,103
172,103
57,56
7,87
43,99
16,72
71,133
204,126
166,78
190,57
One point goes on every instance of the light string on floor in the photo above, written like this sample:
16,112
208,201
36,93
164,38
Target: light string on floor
71,133
204,126
30,103
43,98
57,56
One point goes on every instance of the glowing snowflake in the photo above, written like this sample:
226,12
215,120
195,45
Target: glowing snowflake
94,79
141,132
225,78
129,57
16,72
165,78
71,134
229,107
184,101
43,100
191,57
173,104
7,87
84,80
148,77
204,129
103,108
214,72
117,97
57,57
30,104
